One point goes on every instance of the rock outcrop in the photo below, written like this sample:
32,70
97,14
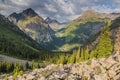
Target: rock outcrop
54,24
94,69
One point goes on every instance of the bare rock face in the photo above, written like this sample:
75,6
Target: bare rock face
54,24
33,25
94,69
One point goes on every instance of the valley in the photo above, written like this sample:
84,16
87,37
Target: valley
61,40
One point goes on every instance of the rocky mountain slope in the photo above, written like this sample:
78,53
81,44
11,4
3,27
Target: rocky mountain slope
94,69
77,33
15,43
115,31
83,29
115,35
54,24
33,25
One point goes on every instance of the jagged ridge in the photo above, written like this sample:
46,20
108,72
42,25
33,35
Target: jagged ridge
33,25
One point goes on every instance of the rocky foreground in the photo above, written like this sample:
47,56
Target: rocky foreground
94,69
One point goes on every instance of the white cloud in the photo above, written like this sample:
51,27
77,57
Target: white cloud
63,10
50,7
67,7
20,2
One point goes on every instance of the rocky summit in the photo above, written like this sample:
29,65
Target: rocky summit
33,25
54,24
94,69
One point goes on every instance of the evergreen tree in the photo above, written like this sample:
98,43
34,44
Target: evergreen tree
17,70
82,58
27,65
72,58
105,46
38,66
93,54
61,59
78,56
6,67
86,53
33,65
66,59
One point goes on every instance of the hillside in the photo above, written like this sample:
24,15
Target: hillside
13,42
82,30
114,30
33,25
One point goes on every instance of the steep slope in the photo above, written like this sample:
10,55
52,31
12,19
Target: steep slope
115,30
54,24
33,25
115,36
14,42
83,29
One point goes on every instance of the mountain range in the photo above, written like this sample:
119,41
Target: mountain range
56,36
82,30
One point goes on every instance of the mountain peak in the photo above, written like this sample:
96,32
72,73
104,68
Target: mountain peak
29,12
89,12
1,16
13,14
3,19
49,20
15,17
88,15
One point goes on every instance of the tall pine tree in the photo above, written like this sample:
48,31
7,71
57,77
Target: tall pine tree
87,53
72,58
78,55
82,55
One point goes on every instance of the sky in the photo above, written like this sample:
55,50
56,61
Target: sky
61,10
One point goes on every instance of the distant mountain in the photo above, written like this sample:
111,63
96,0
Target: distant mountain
49,20
116,13
16,43
54,24
76,33
81,30
33,25
91,15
